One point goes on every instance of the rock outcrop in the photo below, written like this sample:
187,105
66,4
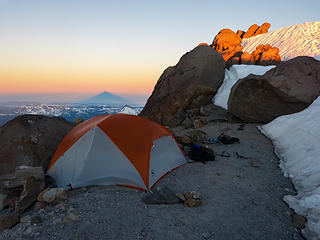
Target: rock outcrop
190,84
255,30
227,43
290,87
30,140
263,55
266,55
262,29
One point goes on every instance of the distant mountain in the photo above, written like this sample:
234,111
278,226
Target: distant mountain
292,41
106,98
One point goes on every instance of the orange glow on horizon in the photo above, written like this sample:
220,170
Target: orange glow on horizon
19,80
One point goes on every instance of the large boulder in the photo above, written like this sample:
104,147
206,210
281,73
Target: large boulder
226,39
288,88
30,140
191,83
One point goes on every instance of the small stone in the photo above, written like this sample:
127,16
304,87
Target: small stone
36,220
192,199
255,164
71,218
40,196
28,231
181,197
299,221
54,194
191,195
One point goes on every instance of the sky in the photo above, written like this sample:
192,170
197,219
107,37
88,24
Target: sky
67,49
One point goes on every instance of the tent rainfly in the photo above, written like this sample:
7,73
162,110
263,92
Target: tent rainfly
115,149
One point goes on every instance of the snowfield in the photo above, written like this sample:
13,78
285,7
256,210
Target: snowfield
296,139
293,41
232,76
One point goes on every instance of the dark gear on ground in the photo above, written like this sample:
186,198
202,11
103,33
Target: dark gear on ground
225,139
201,154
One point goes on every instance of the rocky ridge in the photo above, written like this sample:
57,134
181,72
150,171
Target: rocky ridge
227,43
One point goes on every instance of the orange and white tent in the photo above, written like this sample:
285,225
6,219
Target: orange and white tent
115,149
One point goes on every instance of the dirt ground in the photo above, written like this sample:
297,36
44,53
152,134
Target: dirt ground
242,199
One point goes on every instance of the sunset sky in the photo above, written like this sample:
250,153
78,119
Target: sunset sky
86,47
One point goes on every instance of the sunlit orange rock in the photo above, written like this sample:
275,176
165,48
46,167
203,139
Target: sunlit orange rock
226,39
227,43
266,55
263,29
252,29
255,30
227,54
240,33
247,58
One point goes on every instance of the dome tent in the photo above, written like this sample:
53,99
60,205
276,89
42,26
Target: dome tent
115,149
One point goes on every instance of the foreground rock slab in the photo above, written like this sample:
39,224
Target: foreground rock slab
19,190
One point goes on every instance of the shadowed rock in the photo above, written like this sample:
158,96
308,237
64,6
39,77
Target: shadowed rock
288,88
190,84
30,140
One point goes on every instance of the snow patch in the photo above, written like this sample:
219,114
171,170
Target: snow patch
296,140
293,41
129,110
232,76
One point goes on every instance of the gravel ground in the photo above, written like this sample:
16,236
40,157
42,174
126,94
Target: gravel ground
242,199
